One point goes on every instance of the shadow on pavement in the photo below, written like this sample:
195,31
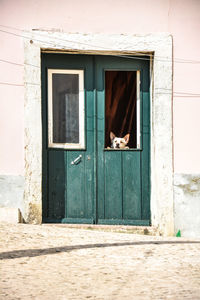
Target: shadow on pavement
54,250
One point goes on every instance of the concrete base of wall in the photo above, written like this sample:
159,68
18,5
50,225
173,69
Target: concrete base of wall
187,204
11,198
10,215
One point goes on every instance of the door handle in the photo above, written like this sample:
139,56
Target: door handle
77,160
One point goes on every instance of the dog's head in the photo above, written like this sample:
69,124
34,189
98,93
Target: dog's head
119,143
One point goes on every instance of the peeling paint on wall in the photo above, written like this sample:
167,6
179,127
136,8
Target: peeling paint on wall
34,213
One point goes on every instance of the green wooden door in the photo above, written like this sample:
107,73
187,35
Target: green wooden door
68,161
123,179
84,181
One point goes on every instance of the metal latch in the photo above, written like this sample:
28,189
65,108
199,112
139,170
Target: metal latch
77,160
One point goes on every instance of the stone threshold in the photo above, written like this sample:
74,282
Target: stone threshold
143,230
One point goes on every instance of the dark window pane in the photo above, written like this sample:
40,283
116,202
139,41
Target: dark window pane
121,105
65,108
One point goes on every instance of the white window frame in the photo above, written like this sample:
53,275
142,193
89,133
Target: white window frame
81,144
138,111
138,108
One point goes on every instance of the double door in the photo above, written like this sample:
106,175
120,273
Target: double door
84,99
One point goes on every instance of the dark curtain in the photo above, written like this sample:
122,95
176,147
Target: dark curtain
120,106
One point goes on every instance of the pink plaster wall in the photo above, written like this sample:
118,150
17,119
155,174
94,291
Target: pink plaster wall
181,18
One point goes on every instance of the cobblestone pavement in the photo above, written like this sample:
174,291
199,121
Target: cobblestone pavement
58,262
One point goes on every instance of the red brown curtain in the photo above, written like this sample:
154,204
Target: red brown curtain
120,106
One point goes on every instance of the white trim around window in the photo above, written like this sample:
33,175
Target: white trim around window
65,145
138,111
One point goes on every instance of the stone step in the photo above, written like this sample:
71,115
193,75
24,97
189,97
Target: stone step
144,230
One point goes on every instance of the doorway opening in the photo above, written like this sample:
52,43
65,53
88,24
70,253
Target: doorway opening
85,183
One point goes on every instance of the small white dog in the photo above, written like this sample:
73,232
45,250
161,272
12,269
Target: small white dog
119,143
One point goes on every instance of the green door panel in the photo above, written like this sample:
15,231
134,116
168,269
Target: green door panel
131,186
104,186
57,182
113,185
75,192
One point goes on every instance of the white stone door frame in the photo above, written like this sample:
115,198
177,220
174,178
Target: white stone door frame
160,48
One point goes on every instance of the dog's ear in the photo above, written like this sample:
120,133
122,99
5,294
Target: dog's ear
126,137
112,135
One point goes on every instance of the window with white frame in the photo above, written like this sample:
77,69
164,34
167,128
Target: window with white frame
66,109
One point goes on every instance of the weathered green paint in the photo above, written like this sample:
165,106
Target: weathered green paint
107,186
